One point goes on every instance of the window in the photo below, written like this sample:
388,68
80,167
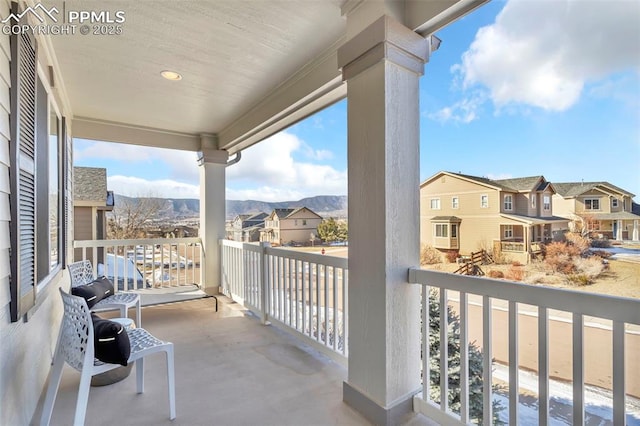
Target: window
484,201
595,225
508,231
533,200
614,203
454,230
435,204
546,202
295,222
508,202
304,222
592,204
455,202
442,230
38,177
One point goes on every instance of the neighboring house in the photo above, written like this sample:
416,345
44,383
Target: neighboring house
285,226
247,227
469,213
91,200
605,209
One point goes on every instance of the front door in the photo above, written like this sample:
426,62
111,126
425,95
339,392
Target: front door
615,229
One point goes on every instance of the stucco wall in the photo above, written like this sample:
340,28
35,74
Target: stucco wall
26,348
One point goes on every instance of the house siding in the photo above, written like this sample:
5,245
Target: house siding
27,347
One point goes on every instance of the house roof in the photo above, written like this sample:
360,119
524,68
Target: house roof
90,184
281,213
574,189
615,216
526,184
446,219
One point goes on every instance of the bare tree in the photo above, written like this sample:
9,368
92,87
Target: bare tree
130,216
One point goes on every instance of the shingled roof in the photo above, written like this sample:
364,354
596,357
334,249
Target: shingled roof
90,184
524,184
573,189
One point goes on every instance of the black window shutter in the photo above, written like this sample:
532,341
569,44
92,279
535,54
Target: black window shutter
23,172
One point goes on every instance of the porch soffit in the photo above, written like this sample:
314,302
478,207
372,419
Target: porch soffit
249,68
534,220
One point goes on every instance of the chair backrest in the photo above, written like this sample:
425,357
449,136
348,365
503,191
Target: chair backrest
81,273
76,332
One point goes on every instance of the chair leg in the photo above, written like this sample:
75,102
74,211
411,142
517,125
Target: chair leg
83,397
52,389
171,382
124,312
139,313
140,375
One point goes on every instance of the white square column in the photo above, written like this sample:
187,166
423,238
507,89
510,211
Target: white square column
212,215
382,66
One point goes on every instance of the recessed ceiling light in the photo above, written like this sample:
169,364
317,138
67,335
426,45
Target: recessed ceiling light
171,75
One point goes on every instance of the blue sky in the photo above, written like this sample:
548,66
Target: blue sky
518,88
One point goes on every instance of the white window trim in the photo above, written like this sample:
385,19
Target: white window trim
482,196
508,229
614,203
455,205
438,207
444,226
592,200
510,197
546,206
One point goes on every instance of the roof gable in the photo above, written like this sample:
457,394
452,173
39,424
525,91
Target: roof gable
574,189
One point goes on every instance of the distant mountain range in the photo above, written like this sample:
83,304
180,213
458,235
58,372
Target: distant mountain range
181,208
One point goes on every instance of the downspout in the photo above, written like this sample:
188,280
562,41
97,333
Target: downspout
234,160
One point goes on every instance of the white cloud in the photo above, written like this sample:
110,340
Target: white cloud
270,172
464,111
499,176
139,187
542,53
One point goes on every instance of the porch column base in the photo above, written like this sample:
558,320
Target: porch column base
399,413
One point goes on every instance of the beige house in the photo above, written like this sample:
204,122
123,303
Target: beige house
468,213
605,208
285,226
91,200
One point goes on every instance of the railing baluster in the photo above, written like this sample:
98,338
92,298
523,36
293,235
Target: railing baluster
543,366
487,393
317,304
304,298
335,309
444,351
426,382
464,358
297,296
345,310
513,363
326,305
578,369
618,374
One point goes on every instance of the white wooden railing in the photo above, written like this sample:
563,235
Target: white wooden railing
304,292
144,263
576,305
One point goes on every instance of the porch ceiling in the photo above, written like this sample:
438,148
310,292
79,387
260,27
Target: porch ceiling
249,67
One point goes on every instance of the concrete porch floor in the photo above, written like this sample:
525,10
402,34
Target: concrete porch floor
230,370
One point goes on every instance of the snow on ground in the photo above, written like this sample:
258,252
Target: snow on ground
598,402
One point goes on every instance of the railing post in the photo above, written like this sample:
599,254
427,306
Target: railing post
264,282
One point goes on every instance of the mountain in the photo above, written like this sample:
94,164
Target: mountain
176,208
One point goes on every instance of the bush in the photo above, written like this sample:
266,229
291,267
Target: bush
601,243
578,241
494,273
514,273
452,256
559,248
430,256
562,263
579,279
601,254
591,267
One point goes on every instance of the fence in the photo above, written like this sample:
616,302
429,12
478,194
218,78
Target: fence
306,292
142,263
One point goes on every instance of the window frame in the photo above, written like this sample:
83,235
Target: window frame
455,202
614,203
546,202
437,202
590,202
534,196
507,231
508,198
484,201
444,230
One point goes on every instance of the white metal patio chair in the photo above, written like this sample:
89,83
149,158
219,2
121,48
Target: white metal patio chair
76,348
82,273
